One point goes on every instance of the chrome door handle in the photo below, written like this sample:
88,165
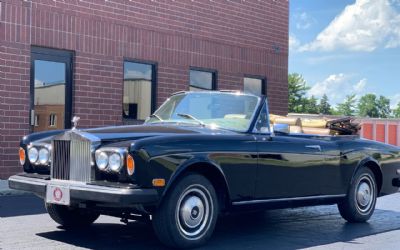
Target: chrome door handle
317,147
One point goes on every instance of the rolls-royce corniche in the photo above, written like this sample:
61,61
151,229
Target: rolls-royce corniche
199,155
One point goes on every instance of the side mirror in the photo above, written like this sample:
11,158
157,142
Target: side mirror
281,128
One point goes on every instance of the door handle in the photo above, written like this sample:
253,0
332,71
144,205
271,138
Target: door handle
317,147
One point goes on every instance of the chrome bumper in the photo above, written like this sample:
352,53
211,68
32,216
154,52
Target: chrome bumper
87,192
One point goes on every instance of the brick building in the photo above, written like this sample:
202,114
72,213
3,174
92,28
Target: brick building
114,61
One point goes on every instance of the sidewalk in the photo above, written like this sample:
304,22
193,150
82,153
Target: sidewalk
5,190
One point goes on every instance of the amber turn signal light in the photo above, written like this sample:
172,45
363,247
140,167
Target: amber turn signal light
22,156
130,165
158,182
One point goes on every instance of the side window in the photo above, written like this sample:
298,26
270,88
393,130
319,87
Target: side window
262,125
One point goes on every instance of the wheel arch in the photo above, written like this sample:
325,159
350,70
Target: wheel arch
375,167
209,170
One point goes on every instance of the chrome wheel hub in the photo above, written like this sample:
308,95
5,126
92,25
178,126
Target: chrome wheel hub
193,212
365,194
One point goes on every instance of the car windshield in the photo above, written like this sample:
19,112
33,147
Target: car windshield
220,110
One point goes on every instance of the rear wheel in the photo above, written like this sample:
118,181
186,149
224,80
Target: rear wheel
71,217
188,213
359,204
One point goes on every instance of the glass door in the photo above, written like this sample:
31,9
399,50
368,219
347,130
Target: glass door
51,89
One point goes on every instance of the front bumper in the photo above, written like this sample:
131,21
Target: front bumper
87,192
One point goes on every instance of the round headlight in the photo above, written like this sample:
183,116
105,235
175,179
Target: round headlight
44,156
33,155
102,160
115,162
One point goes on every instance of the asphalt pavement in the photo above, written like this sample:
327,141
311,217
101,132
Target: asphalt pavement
24,224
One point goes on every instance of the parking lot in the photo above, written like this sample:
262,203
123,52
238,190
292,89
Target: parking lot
24,224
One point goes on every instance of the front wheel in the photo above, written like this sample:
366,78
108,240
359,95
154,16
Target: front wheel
187,216
359,204
71,217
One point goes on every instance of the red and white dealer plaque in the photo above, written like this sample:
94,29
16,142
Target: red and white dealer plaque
57,194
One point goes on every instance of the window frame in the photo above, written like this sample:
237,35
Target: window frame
60,56
53,122
214,77
259,77
36,120
154,67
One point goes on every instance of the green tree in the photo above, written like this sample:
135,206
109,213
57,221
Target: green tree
297,92
383,105
324,107
335,112
348,107
396,111
311,106
367,106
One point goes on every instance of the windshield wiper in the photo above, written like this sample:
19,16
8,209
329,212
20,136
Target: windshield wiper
156,116
187,116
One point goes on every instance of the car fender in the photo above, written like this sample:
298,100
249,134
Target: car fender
362,163
185,166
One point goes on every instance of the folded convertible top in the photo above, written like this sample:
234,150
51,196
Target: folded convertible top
319,125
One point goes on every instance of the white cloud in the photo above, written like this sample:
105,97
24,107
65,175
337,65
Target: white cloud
360,86
303,21
294,43
337,87
394,101
362,26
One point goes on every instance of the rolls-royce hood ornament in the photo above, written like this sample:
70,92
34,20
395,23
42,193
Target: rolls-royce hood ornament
75,121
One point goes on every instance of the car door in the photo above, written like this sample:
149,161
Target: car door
296,166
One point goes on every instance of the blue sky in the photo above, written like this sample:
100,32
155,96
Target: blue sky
344,47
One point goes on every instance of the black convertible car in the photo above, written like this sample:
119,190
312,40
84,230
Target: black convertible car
200,154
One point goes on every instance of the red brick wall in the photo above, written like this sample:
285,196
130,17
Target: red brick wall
232,37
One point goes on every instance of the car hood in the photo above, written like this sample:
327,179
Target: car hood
132,132
135,132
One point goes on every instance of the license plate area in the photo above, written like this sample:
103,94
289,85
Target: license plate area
58,194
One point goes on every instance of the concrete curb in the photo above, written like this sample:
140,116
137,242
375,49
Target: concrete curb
5,190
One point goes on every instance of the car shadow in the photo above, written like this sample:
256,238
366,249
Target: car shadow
276,229
137,235
19,205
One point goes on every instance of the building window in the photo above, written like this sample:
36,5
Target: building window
36,122
53,120
202,80
139,86
51,88
254,85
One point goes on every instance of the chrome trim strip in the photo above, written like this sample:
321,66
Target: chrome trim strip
27,180
305,198
204,152
234,152
317,147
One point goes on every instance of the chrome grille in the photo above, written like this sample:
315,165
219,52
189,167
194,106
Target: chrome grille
80,161
60,164
71,160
